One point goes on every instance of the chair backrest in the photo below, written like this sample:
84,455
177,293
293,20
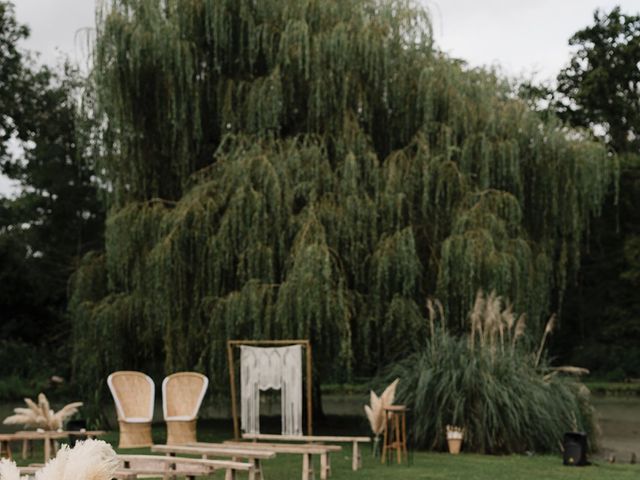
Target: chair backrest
182,394
133,393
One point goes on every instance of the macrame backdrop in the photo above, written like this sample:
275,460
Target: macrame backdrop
271,368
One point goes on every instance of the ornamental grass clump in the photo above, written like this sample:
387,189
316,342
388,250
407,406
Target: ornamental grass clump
492,383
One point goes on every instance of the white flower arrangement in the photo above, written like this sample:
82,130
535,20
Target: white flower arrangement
88,460
455,433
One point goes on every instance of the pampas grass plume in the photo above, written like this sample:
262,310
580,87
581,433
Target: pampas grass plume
88,460
8,470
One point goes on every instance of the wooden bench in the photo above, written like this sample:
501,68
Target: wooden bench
254,456
189,468
356,461
307,450
31,470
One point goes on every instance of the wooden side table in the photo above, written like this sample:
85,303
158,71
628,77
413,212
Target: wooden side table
395,432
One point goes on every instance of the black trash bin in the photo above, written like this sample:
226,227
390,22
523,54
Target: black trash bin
575,449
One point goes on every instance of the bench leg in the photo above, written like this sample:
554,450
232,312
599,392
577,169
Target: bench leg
258,474
356,461
307,467
230,474
324,466
25,448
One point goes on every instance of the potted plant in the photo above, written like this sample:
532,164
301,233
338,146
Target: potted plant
454,438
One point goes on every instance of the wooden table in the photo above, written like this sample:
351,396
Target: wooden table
50,439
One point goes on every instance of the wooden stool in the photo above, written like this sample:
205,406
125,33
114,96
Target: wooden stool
395,432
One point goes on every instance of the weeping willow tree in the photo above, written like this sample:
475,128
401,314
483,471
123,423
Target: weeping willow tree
313,169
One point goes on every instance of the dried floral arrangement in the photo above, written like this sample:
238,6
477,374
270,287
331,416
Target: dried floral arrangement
375,411
41,415
454,432
88,460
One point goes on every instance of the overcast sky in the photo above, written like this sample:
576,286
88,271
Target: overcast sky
523,37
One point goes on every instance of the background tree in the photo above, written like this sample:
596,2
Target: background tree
600,90
56,216
601,85
312,169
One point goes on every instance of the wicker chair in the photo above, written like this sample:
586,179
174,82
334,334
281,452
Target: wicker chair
182,395
134,394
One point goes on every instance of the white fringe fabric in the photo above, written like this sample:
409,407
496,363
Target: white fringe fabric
278,368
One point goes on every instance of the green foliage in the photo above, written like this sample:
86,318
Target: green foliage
599,90
313,169
488,383
11,70
602,81
55,216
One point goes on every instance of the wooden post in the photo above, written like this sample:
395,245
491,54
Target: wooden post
232,380
309,391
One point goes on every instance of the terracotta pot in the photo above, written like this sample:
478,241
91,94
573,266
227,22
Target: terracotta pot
454,445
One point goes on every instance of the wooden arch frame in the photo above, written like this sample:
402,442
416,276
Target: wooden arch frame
258,343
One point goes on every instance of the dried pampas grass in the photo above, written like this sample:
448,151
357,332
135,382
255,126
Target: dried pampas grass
41,415
88,460
8,470
375,411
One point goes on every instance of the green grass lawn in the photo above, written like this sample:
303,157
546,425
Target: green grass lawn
424,465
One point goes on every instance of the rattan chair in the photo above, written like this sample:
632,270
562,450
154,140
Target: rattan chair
133,393
182,395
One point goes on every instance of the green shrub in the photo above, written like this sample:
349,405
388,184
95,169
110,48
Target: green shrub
492,385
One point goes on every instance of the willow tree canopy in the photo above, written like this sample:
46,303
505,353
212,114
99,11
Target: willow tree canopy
313,169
